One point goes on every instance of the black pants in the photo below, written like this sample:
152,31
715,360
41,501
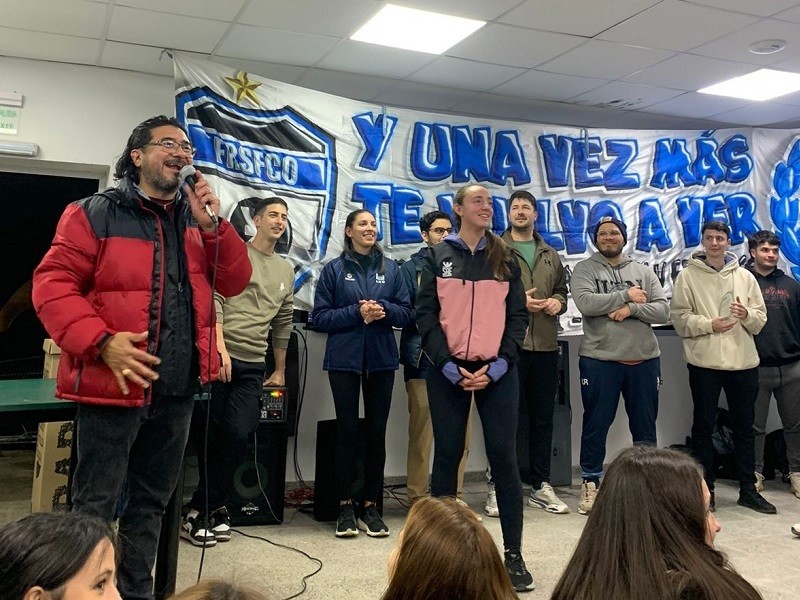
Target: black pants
234,411
377,389
498,406
144,448
538,383
741,389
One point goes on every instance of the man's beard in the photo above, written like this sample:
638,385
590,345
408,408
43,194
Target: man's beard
611,252
522,229
157,181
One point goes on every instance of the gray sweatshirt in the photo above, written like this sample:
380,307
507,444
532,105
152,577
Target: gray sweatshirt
599,289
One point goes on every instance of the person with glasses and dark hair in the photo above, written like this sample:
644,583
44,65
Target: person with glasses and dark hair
434,226
126,290
619,300
717,308
243,324
778,345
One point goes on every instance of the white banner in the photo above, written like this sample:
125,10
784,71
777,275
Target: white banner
327,156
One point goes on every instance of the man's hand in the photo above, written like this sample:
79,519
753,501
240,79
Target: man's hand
225,367
277,379
473,382
551,306
198,198
532,304
738,309
637,294
722,324
127,362
620,314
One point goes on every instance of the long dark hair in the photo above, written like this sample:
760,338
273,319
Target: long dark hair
447,554
47,550
347,246
218,589
496,250
138,138
646,536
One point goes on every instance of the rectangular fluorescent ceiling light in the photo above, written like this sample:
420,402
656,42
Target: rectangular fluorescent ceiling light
764,84
412,29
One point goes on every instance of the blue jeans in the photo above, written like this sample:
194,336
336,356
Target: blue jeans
498,407
143,448
602,382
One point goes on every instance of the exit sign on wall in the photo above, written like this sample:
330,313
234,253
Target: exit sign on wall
9,120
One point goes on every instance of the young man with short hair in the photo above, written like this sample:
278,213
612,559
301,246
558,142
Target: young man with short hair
778,345
717,308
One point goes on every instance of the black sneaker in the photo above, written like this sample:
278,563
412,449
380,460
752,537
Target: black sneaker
371,523
521,579
346,523
192,529
755,501
221,524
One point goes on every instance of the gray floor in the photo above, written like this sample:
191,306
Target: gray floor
761,547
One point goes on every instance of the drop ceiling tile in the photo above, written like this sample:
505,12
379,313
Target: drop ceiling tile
628,96
493,105
67,17
204,9
606,60
347,85
513,46
274,45
48,46
335,19
578,17
424,96
146,59
696,106
734,45
548,86
285,73
464,74
761,113
689,72
637,119
164,30
361,57
675,25
792,14
470,9
762,8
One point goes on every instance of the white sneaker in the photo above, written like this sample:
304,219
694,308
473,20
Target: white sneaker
759,482
546,499
796,529
794,481
465,505
491,509
588,494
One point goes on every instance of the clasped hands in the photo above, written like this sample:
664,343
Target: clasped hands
550,306
636,295
371,311
723,324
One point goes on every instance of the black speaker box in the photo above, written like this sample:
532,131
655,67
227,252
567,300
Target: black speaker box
259,482
292,378
326,497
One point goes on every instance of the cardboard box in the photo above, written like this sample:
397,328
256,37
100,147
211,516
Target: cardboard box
51,469
52,354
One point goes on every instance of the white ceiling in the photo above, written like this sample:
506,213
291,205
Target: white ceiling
619,63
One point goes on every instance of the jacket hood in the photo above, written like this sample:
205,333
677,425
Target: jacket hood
698,260
456,241
599,258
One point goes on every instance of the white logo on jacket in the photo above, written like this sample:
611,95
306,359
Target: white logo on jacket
447,268
349,277
380,278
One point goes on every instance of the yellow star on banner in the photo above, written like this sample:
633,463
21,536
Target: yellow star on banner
243,88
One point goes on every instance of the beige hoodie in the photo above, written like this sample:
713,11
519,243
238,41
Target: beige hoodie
699,295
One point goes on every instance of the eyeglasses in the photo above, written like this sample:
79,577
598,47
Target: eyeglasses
172,146
442,230
609,234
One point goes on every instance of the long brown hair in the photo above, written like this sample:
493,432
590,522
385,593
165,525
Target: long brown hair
217,589
496,250
646,536
447,554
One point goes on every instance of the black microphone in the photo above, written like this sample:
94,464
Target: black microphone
187,176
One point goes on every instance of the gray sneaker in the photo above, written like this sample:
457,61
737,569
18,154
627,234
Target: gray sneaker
490,509
588,495
546,499
759,482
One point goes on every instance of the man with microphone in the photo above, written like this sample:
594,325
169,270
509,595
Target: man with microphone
126,292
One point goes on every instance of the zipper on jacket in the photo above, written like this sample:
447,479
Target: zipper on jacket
471,311
78,378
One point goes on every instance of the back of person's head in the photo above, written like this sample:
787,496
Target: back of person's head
47,550
217,589
646,536
444,552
